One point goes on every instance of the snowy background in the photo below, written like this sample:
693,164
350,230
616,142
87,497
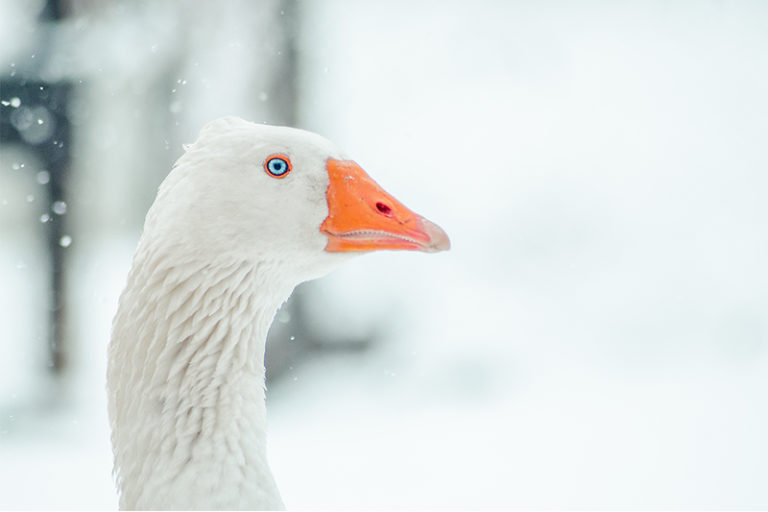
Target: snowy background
597,336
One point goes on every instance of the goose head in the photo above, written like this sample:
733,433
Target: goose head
279,194
247,213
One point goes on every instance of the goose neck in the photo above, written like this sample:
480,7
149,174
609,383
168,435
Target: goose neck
186,380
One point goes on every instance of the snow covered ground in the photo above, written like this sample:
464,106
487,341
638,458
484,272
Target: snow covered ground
597,336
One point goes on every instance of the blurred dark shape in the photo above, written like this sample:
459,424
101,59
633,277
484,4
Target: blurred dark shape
293,340
34,115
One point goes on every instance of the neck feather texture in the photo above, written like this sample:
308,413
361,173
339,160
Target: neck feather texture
186,384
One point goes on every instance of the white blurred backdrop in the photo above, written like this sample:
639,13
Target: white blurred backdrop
597,335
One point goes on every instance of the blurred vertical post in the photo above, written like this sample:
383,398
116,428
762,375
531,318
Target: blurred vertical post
56,156
284,86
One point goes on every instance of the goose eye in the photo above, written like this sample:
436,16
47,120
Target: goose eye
277,166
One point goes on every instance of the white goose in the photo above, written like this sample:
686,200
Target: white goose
246,214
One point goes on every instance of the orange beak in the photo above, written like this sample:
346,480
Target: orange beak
363,217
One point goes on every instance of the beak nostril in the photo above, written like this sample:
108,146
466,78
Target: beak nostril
384,209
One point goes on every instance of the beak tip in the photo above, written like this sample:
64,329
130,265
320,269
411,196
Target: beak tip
438,239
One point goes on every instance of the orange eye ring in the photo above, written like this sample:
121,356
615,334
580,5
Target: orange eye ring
278,166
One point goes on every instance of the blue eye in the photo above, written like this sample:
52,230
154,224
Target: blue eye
277,166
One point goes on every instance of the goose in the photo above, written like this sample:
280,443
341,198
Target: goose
248,212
